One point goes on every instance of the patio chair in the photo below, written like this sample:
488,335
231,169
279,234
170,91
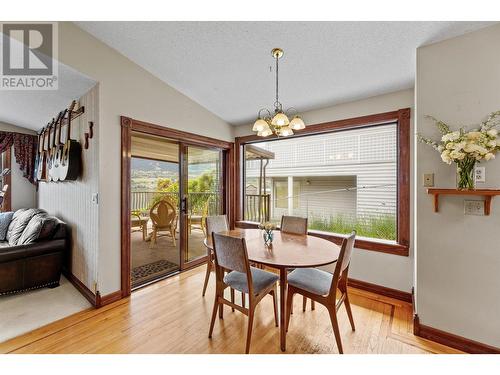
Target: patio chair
164,217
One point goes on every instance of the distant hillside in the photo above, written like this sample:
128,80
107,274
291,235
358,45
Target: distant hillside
145,172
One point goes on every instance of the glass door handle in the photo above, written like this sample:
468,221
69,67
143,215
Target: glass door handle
184,204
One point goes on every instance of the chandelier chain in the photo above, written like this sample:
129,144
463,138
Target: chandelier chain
277,103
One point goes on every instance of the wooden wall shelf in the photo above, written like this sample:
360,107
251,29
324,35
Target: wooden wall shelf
488,195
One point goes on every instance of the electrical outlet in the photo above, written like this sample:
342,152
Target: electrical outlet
428,179
480,174
474,208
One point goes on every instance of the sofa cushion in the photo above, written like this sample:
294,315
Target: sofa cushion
20,220
32,230
5,219
49,227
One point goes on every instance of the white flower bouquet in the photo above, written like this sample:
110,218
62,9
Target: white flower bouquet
466,148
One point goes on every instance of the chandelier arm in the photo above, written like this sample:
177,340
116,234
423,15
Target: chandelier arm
264,109
291,109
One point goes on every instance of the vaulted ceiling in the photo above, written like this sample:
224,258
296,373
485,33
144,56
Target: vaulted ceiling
227,66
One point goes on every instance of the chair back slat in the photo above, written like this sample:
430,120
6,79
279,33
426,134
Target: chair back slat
216,224
230,253
294,225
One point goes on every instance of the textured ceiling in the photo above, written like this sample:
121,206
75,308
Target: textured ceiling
34,109
225,66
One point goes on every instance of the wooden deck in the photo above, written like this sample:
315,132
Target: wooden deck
171,316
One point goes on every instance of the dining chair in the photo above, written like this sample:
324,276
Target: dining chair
296,225
216,223
231,255
321,286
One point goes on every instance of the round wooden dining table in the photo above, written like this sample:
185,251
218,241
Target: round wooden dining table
287,251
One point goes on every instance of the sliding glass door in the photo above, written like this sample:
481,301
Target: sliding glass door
174,186
203,195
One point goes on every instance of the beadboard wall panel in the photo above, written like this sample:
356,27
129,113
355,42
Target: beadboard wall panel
72,202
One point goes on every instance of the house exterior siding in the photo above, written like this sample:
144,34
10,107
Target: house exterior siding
363,158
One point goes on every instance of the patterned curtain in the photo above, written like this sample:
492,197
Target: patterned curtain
25,149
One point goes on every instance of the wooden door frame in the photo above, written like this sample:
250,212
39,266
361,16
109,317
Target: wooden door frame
129,125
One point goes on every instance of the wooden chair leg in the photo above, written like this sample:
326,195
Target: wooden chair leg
313,305
304,303
335,325
207,277
349,312
274,293
251,312
172,233
214,314
232,298
289,305
221,311
242,299
152,240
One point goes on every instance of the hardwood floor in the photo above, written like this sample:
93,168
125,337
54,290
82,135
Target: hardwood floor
171,316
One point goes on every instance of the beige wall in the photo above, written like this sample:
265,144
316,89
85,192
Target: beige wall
392,271
72,202
23,193
125,89
458,257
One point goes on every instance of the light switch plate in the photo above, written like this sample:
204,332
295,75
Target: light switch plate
428,179
474,208
480,174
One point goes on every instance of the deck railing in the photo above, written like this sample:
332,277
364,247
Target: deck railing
143,200
257,207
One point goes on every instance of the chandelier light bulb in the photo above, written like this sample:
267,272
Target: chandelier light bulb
265,133
260,125
286,131
297,123
280,119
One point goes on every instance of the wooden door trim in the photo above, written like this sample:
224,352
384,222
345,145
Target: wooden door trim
129,125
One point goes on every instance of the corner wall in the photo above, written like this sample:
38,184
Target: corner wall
392,271
458,256
71,201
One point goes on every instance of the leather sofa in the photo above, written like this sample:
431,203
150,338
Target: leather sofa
38,261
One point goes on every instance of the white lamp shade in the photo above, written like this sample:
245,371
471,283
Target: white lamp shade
280,119
260,125
286,131
297,123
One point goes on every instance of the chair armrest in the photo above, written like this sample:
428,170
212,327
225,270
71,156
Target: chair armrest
8,254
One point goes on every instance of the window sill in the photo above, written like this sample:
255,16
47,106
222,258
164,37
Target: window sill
381,246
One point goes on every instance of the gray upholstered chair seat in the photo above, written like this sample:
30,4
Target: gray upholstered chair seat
312,280
261,280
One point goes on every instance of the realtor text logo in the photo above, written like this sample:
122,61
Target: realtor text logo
28,56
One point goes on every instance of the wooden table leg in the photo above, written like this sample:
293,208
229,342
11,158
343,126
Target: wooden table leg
283,308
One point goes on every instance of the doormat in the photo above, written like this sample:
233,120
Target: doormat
151,271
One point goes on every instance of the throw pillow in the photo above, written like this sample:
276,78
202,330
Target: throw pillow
5,219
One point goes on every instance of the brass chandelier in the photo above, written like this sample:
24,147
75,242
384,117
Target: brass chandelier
279,123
